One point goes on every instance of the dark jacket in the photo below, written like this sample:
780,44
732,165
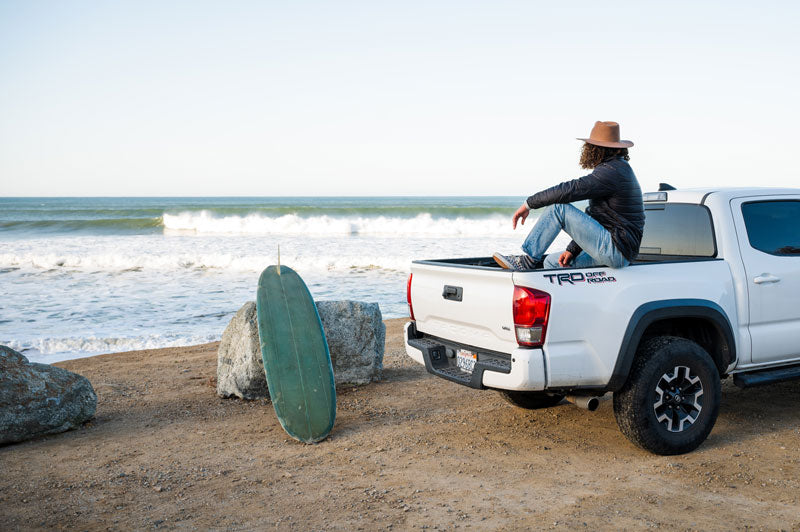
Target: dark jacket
615,200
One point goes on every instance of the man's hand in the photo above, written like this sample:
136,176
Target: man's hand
564,259
521,215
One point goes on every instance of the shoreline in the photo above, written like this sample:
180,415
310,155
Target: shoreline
209,345
408,452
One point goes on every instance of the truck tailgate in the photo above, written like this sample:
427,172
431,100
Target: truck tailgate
465,304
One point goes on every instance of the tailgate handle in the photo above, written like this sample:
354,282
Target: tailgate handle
453,293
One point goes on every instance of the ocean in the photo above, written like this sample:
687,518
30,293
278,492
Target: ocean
83,276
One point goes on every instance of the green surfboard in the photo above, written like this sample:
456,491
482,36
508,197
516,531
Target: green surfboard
296,357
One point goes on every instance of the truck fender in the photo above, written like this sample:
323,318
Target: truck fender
654,311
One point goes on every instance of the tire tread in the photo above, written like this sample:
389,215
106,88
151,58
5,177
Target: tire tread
631,401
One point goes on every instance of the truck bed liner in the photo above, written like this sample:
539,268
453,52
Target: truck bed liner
488,263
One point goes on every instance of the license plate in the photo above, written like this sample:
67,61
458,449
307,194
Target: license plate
465,360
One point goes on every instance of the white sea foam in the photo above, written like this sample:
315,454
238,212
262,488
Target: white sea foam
231,262
423,224
244,253
51,350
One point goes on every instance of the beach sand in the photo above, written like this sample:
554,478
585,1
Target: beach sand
411,451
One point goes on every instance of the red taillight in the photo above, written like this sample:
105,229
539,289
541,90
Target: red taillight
531,311
408,297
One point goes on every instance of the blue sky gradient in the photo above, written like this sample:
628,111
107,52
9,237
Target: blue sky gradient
378,98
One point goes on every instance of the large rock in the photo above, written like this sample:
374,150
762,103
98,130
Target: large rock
240,369
355,334
37,399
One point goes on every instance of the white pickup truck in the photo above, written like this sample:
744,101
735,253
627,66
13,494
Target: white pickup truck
714,292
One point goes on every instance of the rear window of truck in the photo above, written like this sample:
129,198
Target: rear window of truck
679,229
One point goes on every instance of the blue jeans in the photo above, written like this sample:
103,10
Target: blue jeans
595,240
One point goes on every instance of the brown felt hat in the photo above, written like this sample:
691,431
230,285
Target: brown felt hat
606,134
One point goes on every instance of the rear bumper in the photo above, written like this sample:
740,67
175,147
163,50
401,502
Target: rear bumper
522,370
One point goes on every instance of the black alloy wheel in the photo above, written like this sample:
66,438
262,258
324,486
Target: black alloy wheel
678,399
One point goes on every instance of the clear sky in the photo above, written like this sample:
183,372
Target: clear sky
384,98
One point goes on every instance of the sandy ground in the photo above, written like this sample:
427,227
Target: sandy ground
411,451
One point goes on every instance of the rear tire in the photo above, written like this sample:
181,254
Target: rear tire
531,400
671,399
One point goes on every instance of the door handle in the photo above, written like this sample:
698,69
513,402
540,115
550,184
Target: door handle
766,278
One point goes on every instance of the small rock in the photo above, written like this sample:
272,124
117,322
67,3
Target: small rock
38,399
356,336
240,368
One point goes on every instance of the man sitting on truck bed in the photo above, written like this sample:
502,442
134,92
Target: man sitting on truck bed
608,233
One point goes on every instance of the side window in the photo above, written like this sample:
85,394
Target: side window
773,226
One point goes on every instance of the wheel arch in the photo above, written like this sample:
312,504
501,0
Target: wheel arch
700,320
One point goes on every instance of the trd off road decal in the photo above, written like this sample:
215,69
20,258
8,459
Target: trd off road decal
577,277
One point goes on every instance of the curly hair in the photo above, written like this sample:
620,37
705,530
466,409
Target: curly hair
592,155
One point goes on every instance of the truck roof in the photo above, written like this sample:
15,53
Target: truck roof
698,195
